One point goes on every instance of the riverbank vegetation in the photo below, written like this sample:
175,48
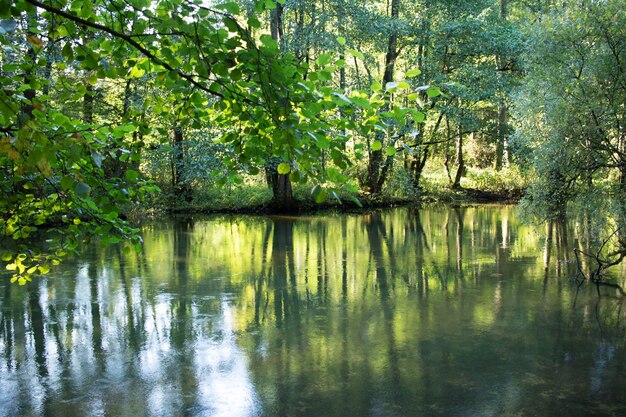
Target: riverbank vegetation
121,106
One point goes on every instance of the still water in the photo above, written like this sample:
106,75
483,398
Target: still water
406,312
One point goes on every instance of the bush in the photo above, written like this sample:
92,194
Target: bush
506,180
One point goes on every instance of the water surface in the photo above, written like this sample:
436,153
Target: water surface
432,312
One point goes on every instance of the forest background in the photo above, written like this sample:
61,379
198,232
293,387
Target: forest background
114,108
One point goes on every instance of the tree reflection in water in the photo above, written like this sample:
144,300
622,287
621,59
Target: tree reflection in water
404,312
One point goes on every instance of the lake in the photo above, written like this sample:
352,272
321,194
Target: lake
404,312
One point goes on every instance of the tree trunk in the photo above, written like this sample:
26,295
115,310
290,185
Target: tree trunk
181,188
446,161
417,167
501,144
460,172
26,111
88,104
276,24
280,184
378,167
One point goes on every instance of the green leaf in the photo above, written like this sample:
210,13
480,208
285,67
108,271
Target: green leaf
67,183
377,145
403,85
294,176
341,40
418,116
391,151
267,41
82,190
412,73
132,175
230,7
433,92
283,168
376,86
319,194
355,53
231,25
343,98
323,60
5,8
136,72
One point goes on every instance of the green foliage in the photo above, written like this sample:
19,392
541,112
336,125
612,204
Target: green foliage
61,170
101,101
508,180
570,111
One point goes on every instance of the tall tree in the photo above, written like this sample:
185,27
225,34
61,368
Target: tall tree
377,167
571,114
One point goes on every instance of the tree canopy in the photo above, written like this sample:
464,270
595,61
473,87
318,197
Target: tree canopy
105,102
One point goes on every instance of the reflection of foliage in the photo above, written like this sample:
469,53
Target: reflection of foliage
608,254
411,310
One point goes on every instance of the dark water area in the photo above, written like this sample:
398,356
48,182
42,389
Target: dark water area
431,312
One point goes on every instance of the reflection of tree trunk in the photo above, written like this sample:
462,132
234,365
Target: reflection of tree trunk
260,281
96,322
36,318
39,341
447,231
376,235
322,267
344,258
548,246
181,328
417,230
558,248
459,240
7,326
497,243
134,330
182,256
282,254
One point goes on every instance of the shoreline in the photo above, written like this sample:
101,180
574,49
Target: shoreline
460,197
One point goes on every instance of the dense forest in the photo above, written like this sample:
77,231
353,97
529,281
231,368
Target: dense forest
111,108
